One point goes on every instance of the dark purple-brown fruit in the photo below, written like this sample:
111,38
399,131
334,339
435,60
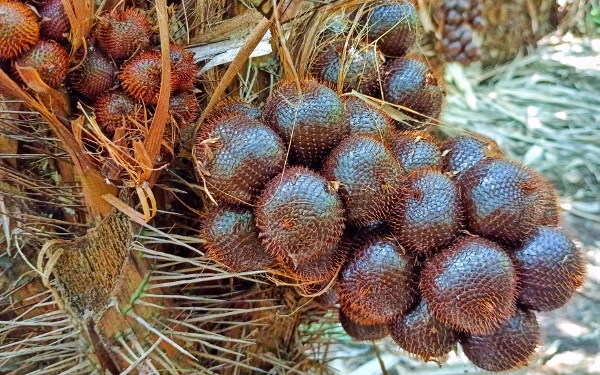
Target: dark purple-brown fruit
95,75
49,59
551,268
184,108
232,239
464,151
394,27
363,118
509,347
363,332
113,109
311,122
379,281
419,333
236,157
416,150
121,34
19,29
368,175
55,22
236,106
325,298
427,217
411,84
299,215
183,68
359,62
323,268
502,200
470,286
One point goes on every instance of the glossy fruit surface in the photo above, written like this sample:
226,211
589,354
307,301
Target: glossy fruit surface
95,75
299,216
363,118
121,34
363,332
464,151
470,286
416,150
551,268
237,156
394,26
369,175
49,59
55,23
509,347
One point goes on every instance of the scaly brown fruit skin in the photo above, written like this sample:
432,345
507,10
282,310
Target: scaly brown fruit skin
379,281
312,122
363,118
95,75
394,26
324,268
419,333
232,239
368,192
416,150
19,29
362,332
300,217
327,299
113,109
464,151
359,62
49,59
411,83
502,200
184,108
55,22
121,34
470,286
141,76
237,156
550,205
427,216
551,268
183,68
236,106
509,347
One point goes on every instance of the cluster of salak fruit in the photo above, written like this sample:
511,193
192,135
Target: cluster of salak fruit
431,243
118,73
378,62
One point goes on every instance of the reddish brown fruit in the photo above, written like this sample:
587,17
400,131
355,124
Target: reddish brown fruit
184,108
464,151
237,156
363,332
551,268
141,76
95,75
121,34
359,62
379,281
113,109
299,216
327,299
19,29
470,286
310,122
236,106
416,150
368,175
363,118
509,347
411,84
427,217
183,68
394,26
232,239
49,59
419,333
502,200
55,22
